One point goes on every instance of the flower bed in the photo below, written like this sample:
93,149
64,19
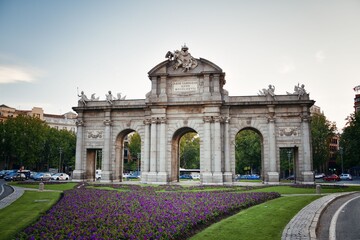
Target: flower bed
101,214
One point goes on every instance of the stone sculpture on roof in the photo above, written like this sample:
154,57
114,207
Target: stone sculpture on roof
182,59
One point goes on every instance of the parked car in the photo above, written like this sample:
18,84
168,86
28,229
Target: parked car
319,175
133,176
332,177
42,176
3,173
27,173
15,176
98,174
346,176
291,177
186,176
60,176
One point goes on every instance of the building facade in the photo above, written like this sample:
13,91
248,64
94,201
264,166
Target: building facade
187,95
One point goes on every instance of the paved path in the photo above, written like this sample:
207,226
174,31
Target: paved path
303,225
18,192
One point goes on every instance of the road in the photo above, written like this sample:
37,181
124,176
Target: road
341,219
5,190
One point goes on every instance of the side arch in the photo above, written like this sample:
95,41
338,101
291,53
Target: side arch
175,152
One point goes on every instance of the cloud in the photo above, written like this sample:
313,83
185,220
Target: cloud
286,68
319,56
11,74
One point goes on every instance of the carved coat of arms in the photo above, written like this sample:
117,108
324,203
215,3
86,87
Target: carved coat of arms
182,59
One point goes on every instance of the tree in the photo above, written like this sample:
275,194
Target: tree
30,142
322,131
350,141
190,151
248,152
134,147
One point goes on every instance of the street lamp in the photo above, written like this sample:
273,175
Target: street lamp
60,150
289,153
138,163
341,157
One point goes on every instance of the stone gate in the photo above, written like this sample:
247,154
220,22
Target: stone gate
188,95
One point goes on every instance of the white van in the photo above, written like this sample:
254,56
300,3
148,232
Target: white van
98,174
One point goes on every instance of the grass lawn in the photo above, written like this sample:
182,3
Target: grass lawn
264,221
24,211
297,190
47,185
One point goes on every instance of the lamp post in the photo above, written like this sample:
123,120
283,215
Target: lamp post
138,162
289,157
60,150
341,157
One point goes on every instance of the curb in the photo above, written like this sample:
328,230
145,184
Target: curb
304,224
18,192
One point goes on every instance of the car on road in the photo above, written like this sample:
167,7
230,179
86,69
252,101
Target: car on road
186,176
60,176
42,176
319,175
98,174
346,176
15,176
332,177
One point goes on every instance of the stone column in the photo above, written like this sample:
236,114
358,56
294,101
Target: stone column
217,175
78,173
306,172
162,175
106,175
228,174
153,151
146,154
206,168
273,175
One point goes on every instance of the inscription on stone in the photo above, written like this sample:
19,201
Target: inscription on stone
185,87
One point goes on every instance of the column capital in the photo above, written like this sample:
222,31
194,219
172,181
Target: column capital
207,119
226,119
79,123
162,120
147,121
107,122
217,119
154,120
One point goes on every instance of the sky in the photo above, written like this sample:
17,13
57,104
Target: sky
52,50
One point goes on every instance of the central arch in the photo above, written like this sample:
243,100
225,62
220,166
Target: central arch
253,140
175,152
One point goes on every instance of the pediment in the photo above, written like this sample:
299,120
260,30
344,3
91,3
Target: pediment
168,67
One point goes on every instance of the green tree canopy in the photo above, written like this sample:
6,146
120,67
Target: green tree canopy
30,142
134,147
322,131
248,152
350,141
190,151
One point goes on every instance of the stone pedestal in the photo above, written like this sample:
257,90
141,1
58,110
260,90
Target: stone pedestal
228,178
218,178
307,177
206,178
152,177
106,176
273,177
162,177
78,175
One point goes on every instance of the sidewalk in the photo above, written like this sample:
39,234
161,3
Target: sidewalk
303,225
18,192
